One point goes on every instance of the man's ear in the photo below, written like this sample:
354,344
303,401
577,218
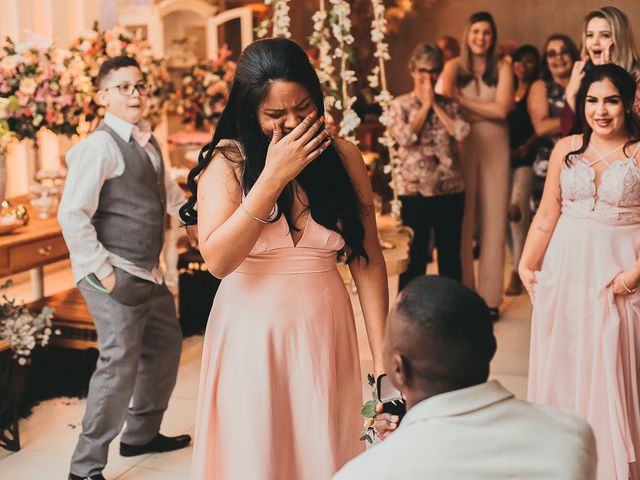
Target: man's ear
398,371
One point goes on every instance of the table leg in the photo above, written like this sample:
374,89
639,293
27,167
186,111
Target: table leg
37,282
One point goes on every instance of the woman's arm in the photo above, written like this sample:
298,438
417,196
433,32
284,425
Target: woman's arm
226,230
538,107
546,219
370,277
449,74
504,101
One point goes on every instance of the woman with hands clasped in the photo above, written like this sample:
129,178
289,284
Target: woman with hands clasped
427,128
276,198
607,38
585,242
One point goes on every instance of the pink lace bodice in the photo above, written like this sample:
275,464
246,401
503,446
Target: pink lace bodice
616,199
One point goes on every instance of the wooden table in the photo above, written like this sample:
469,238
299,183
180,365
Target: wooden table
33,246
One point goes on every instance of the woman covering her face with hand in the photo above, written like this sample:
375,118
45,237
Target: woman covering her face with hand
428,127
275,199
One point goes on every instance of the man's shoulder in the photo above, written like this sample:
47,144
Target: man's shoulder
377,463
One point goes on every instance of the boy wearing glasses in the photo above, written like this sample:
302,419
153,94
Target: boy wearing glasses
112,215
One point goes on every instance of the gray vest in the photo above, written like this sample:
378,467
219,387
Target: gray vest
130,217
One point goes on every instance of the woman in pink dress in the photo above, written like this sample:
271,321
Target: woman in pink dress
585,339
276,199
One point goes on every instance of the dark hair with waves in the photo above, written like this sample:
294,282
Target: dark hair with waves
626,86
333,201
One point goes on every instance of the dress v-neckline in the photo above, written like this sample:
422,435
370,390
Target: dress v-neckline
304,231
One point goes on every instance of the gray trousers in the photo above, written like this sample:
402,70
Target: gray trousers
140,341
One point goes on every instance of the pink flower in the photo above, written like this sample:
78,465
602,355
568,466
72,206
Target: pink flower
27,112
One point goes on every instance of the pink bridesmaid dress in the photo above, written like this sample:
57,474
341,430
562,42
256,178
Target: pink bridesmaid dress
585,341
280,388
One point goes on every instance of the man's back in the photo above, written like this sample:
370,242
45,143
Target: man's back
481,433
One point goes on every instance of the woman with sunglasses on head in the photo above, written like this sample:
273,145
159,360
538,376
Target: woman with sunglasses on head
483,85
607,38
522,141
428,128
581,267
546,101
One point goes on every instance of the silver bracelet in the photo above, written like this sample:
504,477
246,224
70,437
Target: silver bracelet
624,284
256,218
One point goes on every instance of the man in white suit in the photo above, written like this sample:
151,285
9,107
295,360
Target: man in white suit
438,346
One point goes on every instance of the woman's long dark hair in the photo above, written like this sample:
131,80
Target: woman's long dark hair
519,54
626,86
333,201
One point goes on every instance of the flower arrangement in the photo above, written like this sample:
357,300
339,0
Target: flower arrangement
6,135
34,90
377,80
280,22
89,51
22,328
204,90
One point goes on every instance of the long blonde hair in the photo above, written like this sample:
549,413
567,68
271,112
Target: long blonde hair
624,52
465,68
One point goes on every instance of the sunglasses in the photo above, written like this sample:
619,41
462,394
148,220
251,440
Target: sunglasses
556,53
127,89
430,71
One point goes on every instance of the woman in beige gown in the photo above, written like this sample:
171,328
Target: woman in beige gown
483,85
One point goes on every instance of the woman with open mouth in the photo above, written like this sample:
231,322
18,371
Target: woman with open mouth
607,38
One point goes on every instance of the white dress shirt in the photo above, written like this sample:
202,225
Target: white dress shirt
480,433
90,163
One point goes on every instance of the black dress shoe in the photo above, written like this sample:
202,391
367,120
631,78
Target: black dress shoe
160,443
90,477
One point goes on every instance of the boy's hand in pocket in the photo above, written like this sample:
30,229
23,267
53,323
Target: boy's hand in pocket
109,282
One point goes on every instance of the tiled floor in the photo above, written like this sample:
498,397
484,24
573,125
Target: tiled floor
49,435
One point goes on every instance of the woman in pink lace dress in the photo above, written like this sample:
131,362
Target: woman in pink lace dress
585,339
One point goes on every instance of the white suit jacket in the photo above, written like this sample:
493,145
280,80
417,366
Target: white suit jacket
480,433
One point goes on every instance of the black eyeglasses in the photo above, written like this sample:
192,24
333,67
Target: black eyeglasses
556,53
430,71
127,89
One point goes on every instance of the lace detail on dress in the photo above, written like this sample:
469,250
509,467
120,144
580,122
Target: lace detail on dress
617,197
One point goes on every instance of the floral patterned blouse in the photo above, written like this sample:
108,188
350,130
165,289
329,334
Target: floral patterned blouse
429,160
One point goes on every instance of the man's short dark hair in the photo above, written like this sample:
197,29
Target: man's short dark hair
455,324
112,64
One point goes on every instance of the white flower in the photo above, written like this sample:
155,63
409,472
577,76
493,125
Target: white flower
22,361
28,86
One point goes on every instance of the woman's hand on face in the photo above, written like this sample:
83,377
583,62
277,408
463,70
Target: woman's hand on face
529,280
384,423
577,74
288,155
